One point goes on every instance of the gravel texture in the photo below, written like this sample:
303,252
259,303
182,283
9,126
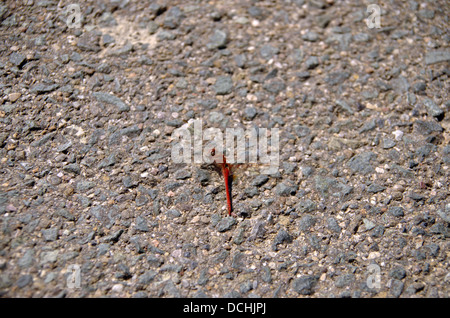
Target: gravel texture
88,189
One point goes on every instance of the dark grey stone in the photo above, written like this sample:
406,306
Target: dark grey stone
312,62
208,103
268,51
173,18
225,224
216,117
333,225
182,174
258,230
105,215
66,214
260,180
113,237
266,274
42,88
284,189
345,106
246,287
398,273
131,131
383,85
396,211
289,167
432,108
27,259
416,196
89,41
306,222
302,131
378,231
375,188
251,191
123,272
344,280
164,35
17,59
111,99
322,20
314,241
423,151
307,171
432,249
249,113
203,277
129,182
136,242
362,163
426,13
72,167
419,87
203,176
304,75
368,224
305,206
282,237
426,127
310,36
444,212
440,228
437,57
387,143
157,8
305,284
127,48
223,85
147,277
337,78
274,86
108,161
361,37
50,234
238,261
24,280
141,224
141,199
218,40
240,60
332,187
107,39
43,140
83,185
256,12
173,213
396,288
154,261
368,126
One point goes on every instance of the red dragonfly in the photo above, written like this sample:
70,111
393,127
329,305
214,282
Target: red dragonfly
230,171
225,168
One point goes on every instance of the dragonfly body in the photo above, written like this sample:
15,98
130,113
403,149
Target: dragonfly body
226,175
